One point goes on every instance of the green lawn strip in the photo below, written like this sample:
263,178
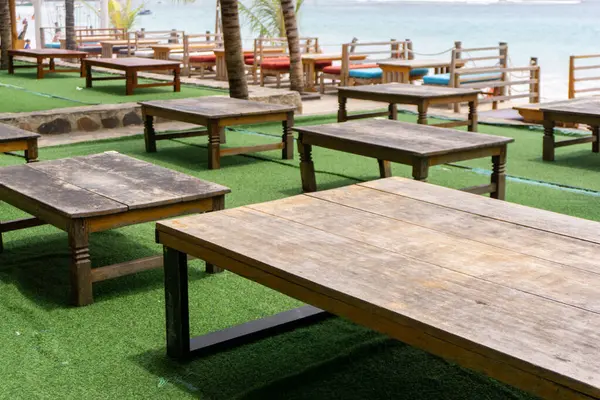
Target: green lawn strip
20,101
72,87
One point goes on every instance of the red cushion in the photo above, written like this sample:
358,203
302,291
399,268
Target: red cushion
250,60
320,64
280,65
337,69
208,58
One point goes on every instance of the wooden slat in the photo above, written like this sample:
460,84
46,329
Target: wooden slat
584,67
247,149
595,89
492,99
126,268
570,142
589,78
498,84
464,71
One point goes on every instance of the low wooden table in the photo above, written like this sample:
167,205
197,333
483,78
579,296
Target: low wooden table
422,96
417,145
578,111
83,195
503,289
131,66
309,62
399,70
40,55
15,139
107,45
216,113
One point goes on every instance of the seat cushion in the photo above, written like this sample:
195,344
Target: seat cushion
444,79
144,53
91,49
365,73
203,58
280,65
320,64
419,72
337,69
52,45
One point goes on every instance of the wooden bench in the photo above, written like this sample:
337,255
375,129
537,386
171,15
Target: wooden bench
15,139
199,61
505,290
277,64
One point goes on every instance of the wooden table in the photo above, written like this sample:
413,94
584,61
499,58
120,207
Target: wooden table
131,66
399,70
309,66
503,289
15,139
578,111
83,195
215,113
420,95
419,146
163,51
107,45
40,55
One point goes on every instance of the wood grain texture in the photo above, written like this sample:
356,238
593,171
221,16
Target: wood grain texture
587,106
399,89
9,133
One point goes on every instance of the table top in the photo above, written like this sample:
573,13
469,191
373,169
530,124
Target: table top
10,133
408,90
218,107
515,285
47,52
130,62
418,63
414,139
586,106
103,184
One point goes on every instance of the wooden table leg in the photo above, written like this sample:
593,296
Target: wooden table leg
596,134
287,153
422,109
177,79
81,265
548,150
82,71
31,154
473,117
385,168
129,82
420,170
499,174
342,112
40,68
88,75
11,64
52,64
393,111
149,133
218,204
307,167
176,303
310,76
214,145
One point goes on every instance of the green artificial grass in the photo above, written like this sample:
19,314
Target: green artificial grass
22,92
115,348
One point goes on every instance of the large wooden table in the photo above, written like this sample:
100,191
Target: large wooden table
15,139
309,62
399,70
215,113
42,54
578,111
131,66
107,45
419,146
420,95
83,195
506,290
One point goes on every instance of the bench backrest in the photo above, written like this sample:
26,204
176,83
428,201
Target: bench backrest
84,35
584,68
162,37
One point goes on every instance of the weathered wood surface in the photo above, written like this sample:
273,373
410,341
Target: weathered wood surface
414,139
104,183
401,89
425,265
130,63
587,107
219,107
9,133
55,53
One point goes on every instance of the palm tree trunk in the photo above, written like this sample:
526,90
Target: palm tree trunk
70,24
234,58
291,30
4,33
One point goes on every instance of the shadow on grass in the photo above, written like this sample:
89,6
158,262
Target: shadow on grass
580,159
332,359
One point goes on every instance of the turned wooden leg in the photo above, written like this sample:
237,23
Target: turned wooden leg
499,174
31,154
342,113
307,167
596,134
11,64
129,82
214,146
82,71
287,153
149,133
548,151
393,111
422,109
81,265
88,75
177,79
176,303
40,68
473,117
218,204
420,169
385,168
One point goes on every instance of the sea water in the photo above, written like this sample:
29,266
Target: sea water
548,30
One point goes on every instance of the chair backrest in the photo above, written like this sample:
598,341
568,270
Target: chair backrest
583,68
83,35
135,40
265,48
203,42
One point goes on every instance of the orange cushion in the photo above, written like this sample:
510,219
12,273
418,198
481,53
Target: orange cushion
208,58
337,69
250,60
280,65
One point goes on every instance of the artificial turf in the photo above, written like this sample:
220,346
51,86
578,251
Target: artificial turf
115,347
22,92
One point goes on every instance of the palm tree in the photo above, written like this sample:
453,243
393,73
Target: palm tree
70,24
291,31
266,18
4,33
232,40
123,15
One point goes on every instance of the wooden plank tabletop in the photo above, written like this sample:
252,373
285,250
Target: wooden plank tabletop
587,106
445,276
219,107
414,139
101,184
405,90
10,133
47,52
131,62
418,63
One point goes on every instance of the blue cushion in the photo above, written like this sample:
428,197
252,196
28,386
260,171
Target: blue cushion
444,79
419,72
365,73
52,45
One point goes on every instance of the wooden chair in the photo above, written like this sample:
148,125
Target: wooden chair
198,56
583,68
